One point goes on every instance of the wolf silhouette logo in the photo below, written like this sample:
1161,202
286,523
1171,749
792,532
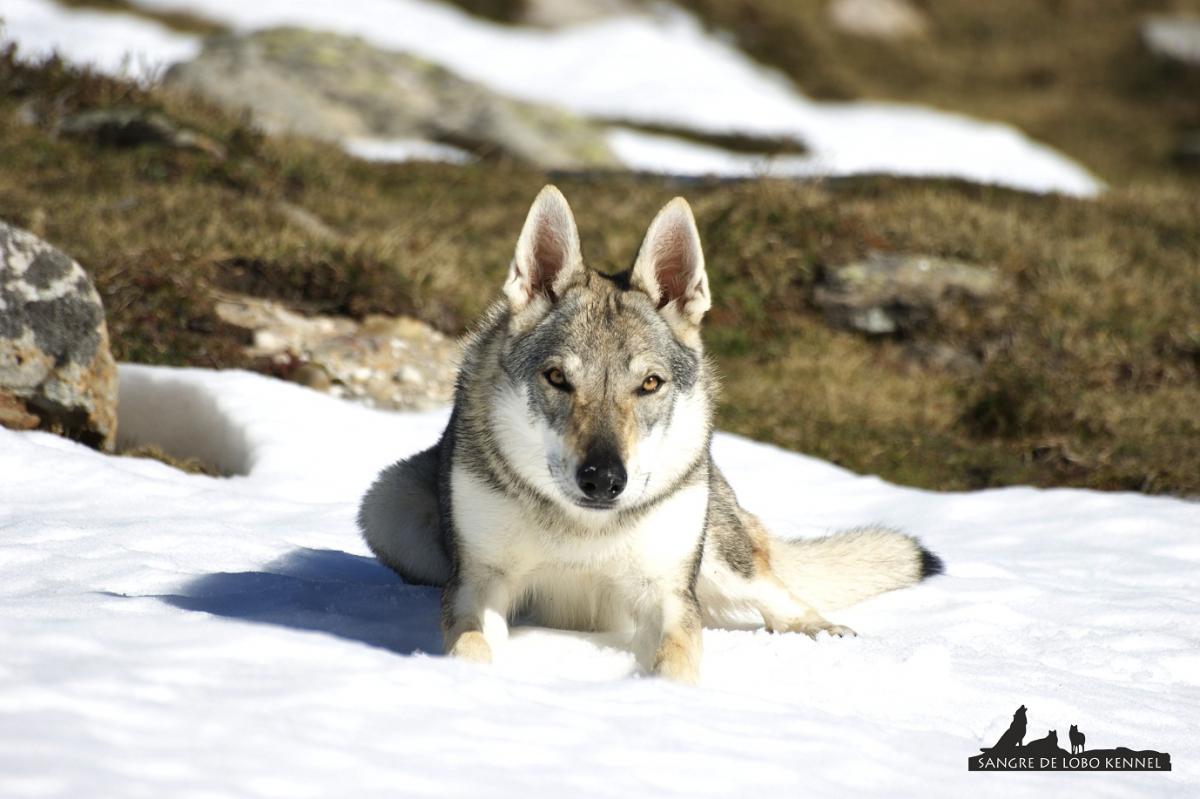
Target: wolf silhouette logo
1044,746
1014,735
1077,740
1011,753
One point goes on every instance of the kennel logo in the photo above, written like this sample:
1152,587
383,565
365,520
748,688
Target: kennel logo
1012,753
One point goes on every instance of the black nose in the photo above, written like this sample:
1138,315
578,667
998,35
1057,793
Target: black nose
602,478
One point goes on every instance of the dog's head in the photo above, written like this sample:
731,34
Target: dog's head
606,402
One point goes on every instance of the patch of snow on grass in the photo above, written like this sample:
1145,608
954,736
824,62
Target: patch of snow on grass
653,152
375,149
117,44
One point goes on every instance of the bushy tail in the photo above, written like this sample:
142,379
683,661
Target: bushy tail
399,520
845,568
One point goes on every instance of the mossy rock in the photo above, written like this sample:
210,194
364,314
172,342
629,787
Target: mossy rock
337,87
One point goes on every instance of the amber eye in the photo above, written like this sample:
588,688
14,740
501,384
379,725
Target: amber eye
651,384
556,378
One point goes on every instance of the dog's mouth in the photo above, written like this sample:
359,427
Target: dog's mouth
594,504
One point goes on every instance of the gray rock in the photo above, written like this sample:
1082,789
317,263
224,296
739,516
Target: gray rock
338,87
898,295
1173,38
1186,152
134,127
382,361
878,19
56,370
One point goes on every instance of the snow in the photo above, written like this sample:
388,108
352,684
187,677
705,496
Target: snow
166,634
382,149
653,152
119,44
656,68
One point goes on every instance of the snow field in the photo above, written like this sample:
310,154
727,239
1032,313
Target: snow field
166,634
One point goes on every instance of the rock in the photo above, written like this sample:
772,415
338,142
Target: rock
338,87
307,221
1173,38
313,376
383,361
942,357
898,295
56,370
564,13
134,127
877,19
1186,152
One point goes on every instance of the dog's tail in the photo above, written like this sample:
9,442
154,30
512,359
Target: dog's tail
399,520
842,569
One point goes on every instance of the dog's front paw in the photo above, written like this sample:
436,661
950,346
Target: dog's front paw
813,628
471,646
677,660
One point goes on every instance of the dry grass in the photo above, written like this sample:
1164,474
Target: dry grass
1089,375
189,465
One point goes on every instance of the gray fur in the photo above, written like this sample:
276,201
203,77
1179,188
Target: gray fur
400,518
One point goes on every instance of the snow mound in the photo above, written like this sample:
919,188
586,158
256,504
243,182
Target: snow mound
171,634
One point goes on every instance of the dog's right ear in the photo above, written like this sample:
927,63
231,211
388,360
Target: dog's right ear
548,259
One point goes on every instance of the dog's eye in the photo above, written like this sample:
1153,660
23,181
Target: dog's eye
651,384
556,378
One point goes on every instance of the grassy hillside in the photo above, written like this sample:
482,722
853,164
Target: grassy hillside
1087,372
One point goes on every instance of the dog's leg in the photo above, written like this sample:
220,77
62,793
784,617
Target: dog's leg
668,638
727,593
784,612
475,608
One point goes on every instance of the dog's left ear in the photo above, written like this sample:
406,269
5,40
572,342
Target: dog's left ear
670,266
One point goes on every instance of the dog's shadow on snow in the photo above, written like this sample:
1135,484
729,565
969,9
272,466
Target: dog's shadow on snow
323,590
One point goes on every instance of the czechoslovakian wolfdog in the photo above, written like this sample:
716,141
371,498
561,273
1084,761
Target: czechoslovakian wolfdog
574,482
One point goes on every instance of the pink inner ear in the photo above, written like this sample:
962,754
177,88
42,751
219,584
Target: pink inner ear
673,269
549,257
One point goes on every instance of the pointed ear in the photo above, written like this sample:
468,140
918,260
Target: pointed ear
548,259
670,265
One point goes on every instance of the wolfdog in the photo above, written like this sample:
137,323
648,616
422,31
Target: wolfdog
574,483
